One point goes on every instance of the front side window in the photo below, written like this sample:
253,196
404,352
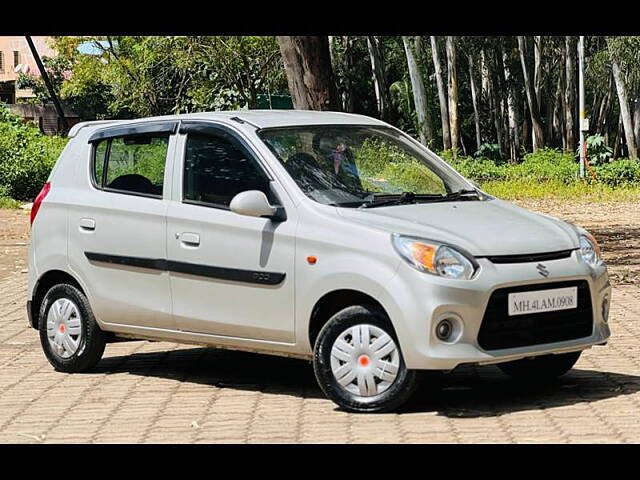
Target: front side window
216,170
352,166
131,164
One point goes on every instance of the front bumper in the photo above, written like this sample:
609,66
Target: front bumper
416,302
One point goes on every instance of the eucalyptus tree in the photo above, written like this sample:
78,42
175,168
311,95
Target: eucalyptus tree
442,93
425,129
533,93
452,84
376,56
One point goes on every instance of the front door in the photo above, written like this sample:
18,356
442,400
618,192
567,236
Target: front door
231,275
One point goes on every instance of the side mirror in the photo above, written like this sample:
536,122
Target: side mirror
254,203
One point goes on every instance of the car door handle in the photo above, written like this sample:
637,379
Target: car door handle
88,224
189,239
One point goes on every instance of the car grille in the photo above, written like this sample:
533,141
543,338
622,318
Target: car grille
534,257
499,330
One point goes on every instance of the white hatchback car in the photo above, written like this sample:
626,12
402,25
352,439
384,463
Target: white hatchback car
325,236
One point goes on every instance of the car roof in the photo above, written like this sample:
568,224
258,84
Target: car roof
257,118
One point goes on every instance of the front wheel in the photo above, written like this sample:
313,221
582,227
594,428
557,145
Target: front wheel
358,363
546,367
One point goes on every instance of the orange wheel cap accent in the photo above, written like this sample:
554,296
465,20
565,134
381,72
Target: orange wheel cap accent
364,360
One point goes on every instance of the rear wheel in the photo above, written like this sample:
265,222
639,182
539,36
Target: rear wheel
358,362
69,334
545,367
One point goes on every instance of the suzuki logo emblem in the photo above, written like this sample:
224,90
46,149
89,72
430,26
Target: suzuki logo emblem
542,270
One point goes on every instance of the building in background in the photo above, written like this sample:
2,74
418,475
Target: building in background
16,58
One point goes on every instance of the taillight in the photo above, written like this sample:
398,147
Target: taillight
38,201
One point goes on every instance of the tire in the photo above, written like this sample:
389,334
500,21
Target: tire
365,389
542,368
66,317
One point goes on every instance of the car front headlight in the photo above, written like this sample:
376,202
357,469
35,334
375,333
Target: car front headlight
433,257
590,250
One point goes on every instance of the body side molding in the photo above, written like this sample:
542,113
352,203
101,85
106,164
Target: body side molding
209,271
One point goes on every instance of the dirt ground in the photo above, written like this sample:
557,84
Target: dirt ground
14,238
616,226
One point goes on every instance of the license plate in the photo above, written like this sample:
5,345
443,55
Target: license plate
543,301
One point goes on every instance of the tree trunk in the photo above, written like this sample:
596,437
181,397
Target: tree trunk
512,115
452,77
636,121
497,108
603,113
307,63
474,100
627,121
570,93
425,129
532,101
617,146
537,68
348,96
442,95
379,80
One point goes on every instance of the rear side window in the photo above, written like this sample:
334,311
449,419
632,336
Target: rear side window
216,170
131,164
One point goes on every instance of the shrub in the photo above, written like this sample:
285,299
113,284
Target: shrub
26,156
619,172
490,151
480,169
544,165
598,152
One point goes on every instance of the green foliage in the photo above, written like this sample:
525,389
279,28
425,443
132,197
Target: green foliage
593,192
598,153
160,75
478,169
5,200
490,151
544,165
619,172
26,156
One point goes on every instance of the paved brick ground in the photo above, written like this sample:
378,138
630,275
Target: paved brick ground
163,392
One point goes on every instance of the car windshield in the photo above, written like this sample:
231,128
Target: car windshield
360,166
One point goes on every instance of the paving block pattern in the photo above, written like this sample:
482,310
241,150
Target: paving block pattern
155,392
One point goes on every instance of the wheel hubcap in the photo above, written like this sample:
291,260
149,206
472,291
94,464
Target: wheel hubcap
64,328
365,360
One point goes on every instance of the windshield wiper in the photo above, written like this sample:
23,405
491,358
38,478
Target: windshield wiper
382,200
460,194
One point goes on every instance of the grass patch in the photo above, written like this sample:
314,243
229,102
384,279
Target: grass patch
9,203
578,191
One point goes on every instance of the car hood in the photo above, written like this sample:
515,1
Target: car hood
491,227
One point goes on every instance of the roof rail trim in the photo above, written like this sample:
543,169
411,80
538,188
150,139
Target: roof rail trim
242,120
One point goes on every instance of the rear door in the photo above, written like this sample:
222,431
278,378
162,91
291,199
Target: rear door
117,230
231,275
